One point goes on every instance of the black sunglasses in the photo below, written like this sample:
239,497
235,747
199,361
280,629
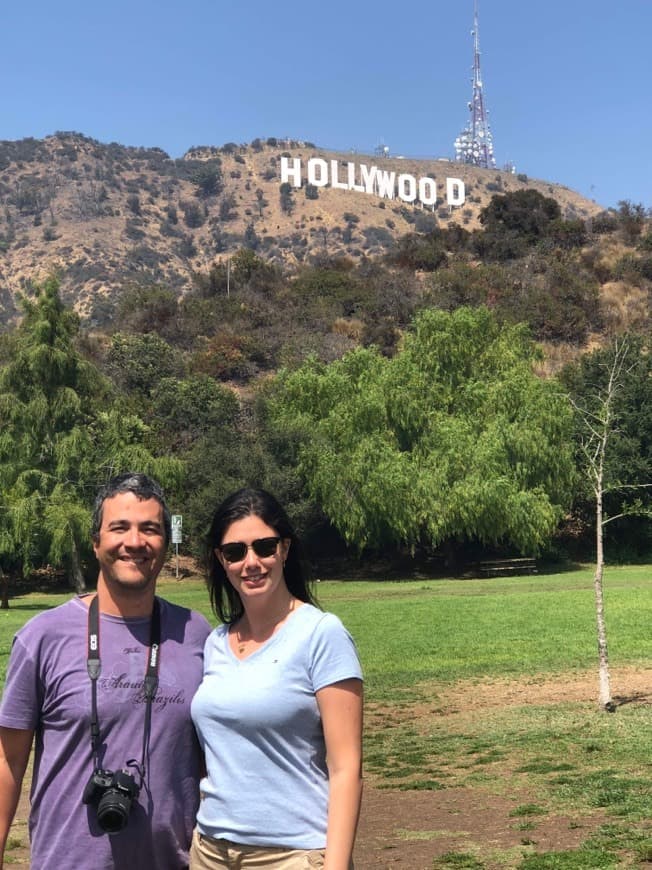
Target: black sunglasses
262,547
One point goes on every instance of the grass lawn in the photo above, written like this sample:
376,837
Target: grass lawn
455,672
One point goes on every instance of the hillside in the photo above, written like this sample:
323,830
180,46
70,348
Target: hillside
109,217
199,279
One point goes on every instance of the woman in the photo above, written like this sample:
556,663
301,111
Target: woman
279,710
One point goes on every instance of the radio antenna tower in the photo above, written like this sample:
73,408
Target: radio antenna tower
475,144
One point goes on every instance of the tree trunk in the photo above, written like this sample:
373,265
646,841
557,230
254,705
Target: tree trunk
605,701
76,574
451,561
4,585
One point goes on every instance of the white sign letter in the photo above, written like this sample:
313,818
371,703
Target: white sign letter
294,171
428,191
351,178
317,172
455,193
335,182
385,181
368,178
407,188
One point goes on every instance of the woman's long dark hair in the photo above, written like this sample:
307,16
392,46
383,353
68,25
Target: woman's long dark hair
225,601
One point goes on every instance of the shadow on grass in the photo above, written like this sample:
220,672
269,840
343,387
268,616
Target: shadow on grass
635,698
35,607
410,569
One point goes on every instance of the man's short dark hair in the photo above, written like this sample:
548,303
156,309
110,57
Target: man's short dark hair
142,486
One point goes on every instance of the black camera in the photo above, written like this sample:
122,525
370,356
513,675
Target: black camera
112,794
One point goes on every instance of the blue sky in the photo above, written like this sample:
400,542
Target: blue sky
567,82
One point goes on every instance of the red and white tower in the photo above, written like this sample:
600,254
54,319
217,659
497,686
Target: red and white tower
475,144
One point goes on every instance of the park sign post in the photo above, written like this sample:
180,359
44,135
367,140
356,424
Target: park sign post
177,537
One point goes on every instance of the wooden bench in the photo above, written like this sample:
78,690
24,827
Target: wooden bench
504,567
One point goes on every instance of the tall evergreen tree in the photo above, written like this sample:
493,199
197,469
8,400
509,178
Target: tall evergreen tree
58,441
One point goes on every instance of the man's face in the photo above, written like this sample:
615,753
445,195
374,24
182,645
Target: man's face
130,546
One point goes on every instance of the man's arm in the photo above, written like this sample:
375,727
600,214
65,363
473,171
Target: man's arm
15,746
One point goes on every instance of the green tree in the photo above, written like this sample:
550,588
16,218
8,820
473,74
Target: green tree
208,179
184,410
557,298
513,222
44,391
568,234
454,438
336,285
133,203
631,219
139,362
611,391
56,445
228,207
250,238
194,215
463,284
243,449
423,252
261,201
209,284
150,308
247,268
600,414
286,197
627,461
526,212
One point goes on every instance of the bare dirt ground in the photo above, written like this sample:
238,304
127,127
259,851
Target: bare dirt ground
407,830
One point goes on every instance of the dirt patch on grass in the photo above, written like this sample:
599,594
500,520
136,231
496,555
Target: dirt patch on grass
466,698
410,829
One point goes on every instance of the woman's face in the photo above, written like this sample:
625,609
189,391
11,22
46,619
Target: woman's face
252,575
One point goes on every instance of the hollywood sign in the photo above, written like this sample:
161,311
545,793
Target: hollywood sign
370,179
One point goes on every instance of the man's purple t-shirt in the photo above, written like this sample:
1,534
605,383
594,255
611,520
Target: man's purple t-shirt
48,690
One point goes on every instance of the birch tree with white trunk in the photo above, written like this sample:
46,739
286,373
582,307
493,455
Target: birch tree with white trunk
598,423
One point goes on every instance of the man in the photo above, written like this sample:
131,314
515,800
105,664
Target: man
105,690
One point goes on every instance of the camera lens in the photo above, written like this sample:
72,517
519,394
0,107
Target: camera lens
115,804
113,811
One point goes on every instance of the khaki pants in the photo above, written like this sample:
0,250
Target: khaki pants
209,854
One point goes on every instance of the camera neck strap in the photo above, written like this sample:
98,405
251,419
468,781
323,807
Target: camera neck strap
150,682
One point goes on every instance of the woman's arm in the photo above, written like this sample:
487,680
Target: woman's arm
340,706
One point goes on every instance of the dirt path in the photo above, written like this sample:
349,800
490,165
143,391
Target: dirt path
407,830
